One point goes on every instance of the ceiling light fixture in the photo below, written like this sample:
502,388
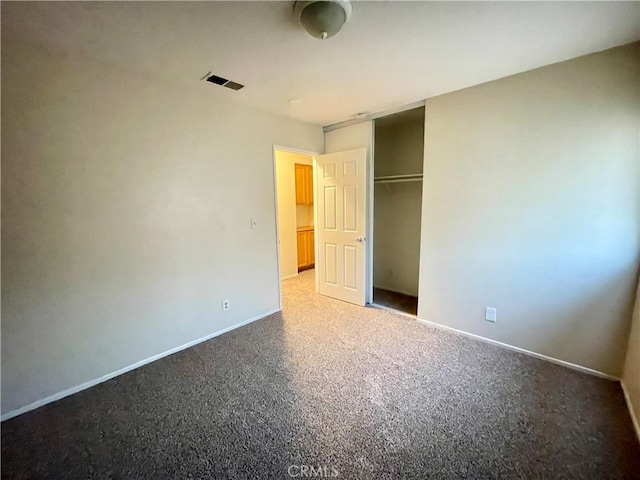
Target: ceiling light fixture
322,18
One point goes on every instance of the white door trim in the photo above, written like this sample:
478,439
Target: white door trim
370,207
275,206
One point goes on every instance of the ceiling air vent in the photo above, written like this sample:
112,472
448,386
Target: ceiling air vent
223,81
233,85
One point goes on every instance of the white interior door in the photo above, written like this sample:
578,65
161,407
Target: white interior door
341,179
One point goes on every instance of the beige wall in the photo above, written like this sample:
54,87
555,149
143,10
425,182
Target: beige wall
530,205
304,215
631,373
126,207
287,210
399,144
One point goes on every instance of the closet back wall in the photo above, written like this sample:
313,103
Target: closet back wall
399,146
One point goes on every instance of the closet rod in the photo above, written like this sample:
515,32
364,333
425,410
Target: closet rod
398,180
393,177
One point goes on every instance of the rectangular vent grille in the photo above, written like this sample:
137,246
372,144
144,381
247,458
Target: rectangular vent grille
217,80
224,82
233,85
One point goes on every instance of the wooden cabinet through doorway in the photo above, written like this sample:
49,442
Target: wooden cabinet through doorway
304,184
306,254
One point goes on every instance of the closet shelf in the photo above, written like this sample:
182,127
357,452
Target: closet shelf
416,177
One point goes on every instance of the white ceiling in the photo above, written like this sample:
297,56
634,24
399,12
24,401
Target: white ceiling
389,54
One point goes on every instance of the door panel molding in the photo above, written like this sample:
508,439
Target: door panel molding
342,210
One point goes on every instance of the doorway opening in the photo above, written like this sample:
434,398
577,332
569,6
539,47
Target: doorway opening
295,211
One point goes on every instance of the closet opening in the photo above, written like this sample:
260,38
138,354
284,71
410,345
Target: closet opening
397,209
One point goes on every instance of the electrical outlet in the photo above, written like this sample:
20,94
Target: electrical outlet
225,305
490,314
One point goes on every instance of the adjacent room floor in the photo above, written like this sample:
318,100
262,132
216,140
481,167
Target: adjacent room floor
326,384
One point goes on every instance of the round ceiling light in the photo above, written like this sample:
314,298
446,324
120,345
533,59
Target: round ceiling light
322,18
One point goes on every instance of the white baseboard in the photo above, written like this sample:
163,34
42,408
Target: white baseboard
634,419
564,363
289,276
109,376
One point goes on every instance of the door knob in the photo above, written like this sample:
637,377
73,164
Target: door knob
360,239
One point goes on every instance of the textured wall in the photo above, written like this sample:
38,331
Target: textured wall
126,207
531,206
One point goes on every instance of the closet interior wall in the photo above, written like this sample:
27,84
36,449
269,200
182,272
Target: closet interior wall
398,169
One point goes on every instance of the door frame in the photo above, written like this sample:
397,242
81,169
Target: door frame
275,206
370,207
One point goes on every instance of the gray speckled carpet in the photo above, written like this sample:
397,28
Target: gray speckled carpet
352,391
